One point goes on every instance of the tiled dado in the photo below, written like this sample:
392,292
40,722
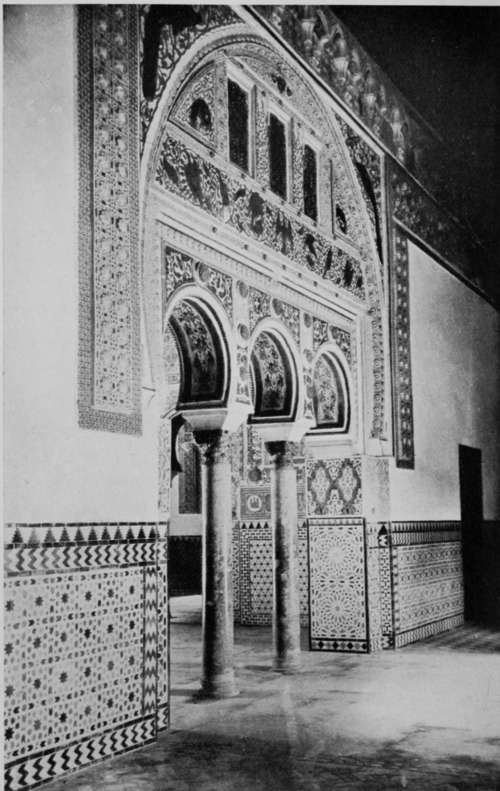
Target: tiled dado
253,572
86,654
427,579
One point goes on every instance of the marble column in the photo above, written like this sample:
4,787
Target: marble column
217,630
286,610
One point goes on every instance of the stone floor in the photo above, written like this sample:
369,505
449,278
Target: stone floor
422,718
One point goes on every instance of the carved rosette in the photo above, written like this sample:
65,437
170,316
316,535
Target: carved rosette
214,445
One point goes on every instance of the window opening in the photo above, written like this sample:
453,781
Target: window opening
277,156
238,125
310,184
200,117
341,219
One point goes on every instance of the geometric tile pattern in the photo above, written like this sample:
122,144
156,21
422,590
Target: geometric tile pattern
261,577
385,593
338,595
163,665
254,582
84,641
374,593
236,574
334,486
427,579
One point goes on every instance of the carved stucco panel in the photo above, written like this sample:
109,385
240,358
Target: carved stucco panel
109,348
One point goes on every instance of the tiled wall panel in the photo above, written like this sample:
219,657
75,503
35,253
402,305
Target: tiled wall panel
86,653
339,618
253,582
427,579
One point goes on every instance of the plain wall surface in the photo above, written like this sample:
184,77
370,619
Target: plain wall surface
455,356
54,471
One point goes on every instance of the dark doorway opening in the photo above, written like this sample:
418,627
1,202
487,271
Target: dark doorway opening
471,505
184,565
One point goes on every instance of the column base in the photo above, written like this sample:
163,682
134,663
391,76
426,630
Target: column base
218,688
287,665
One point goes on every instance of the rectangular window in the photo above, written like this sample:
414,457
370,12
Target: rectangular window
310,184
277,156
238,124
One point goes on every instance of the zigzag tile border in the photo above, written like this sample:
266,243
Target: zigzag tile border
38,769
163,717
150,665
53,548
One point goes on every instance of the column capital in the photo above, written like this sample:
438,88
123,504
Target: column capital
214,445
282,453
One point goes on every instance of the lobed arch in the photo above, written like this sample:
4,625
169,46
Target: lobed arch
337,369
283,386
206,348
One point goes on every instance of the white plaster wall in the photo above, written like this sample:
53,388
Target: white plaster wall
455,353
54,471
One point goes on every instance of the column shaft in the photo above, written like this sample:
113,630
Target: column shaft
217,624
286,609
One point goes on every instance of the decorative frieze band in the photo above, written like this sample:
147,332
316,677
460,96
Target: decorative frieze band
334,55
405,533
401,352
436,229
109,324
182,172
